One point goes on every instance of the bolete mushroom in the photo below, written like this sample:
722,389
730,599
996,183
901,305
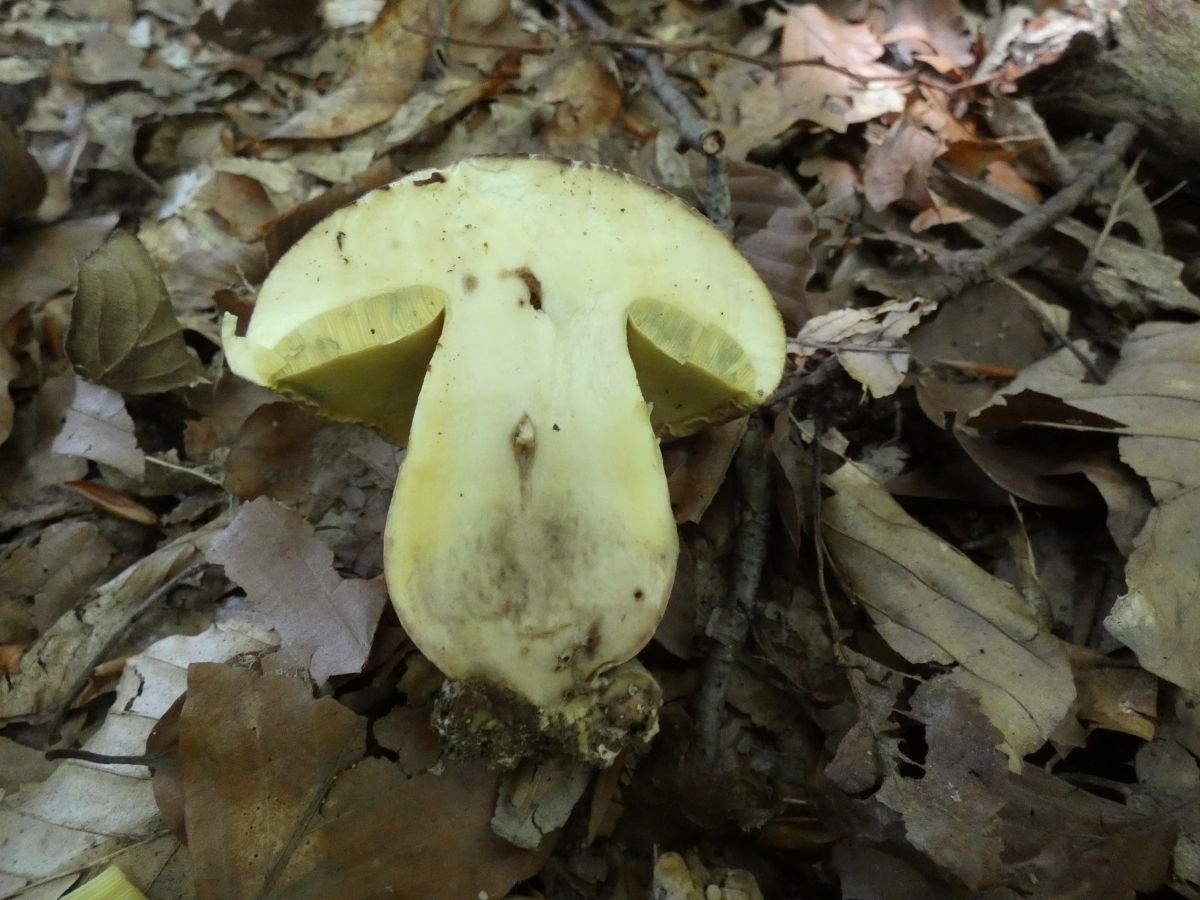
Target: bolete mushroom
528,328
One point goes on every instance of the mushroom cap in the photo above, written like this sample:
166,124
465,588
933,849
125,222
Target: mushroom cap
526,326
357,303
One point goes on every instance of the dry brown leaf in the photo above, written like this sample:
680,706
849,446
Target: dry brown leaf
537,798
98,428
379,833
696,467
272,454
325,622
27,466
124,334
774,228
822,95
257,754
933,605
9,369
22,182
87,815
385,70
897,168
1152,400
41,263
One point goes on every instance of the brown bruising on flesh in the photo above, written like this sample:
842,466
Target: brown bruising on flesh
524,444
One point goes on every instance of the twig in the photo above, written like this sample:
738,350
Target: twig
694,132
730,622
973,266
684,48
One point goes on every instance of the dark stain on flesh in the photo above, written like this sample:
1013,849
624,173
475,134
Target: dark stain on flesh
533,285
434,178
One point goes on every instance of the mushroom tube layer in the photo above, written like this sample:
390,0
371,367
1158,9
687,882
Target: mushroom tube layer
528,328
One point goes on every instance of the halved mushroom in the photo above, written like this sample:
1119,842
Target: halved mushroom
528,327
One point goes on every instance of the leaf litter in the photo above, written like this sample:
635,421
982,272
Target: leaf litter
971,666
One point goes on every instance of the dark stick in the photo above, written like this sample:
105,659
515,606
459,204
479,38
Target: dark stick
972,266
694,132
730,623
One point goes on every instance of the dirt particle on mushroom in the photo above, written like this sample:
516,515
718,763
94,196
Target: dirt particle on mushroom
434,178
533,285
524,442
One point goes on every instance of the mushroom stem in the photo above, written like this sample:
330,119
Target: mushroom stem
543,470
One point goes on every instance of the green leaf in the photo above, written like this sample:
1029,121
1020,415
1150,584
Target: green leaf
124,334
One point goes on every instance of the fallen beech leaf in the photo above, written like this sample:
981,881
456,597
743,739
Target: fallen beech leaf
1150,400
825,96
59,662
536,799
325,622
41,263
124,334
257,753
98,428
701,463
933,605
774,230
898,167
22,182
114,502
272,453
386,68
1158,618
381,834
87,814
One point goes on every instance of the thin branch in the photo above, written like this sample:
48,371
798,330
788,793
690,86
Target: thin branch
1110,221
972,266
730,623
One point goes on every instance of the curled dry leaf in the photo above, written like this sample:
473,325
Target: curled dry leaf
933,605
325,622
867,342
124,334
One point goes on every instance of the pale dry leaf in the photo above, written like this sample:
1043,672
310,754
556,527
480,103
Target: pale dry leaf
1152,401
27,466
48,573
827,97
537,798
57,665
882,363
124,334
385,71
86,813
933,605
97,427
325,622
1158,617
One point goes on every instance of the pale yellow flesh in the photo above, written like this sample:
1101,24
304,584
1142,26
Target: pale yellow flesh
530,541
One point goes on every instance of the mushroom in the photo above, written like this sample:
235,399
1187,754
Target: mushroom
528,328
